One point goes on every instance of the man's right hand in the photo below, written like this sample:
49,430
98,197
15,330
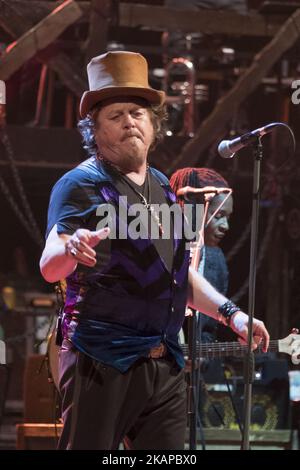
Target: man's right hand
80,245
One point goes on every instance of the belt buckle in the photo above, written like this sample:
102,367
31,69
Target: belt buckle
157,351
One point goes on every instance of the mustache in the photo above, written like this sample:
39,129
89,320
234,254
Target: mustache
131,134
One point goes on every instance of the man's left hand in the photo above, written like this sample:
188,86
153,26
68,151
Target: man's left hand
239,324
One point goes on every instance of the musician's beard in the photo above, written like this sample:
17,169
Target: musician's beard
130,158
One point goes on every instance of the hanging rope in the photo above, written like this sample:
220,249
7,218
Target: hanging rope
27,221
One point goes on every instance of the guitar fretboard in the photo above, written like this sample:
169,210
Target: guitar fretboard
213,350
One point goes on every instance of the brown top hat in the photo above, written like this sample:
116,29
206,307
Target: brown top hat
118,73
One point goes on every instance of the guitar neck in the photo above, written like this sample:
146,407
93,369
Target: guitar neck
214,350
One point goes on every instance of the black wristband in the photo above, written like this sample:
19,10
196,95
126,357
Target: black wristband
227,310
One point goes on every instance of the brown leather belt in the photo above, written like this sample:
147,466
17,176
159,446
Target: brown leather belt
158,351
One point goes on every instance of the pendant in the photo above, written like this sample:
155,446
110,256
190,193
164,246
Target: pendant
156,218
153,214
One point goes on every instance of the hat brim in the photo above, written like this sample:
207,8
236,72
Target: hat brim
91,98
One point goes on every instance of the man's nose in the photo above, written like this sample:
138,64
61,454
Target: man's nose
224,225
128,121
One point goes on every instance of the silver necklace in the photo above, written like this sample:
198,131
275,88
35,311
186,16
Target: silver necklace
146,203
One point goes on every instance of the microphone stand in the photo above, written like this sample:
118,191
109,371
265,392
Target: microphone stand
192,339
192,325
192,389
249,358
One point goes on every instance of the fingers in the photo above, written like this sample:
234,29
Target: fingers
257,341
80,245
76,250
244,342
98,235
260,335
84,248
260,332
84,254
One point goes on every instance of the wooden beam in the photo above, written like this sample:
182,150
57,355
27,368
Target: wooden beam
68,72
38,37
202,21
12,20
163,18
216,122
99,23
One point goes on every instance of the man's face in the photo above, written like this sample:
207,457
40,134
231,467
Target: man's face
124,132
219,225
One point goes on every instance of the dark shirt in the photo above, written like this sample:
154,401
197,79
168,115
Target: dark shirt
135,296
73,205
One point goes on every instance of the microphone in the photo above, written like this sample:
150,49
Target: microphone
227,148
187,191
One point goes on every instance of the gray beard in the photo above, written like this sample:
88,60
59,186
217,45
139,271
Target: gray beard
126,164
131,162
